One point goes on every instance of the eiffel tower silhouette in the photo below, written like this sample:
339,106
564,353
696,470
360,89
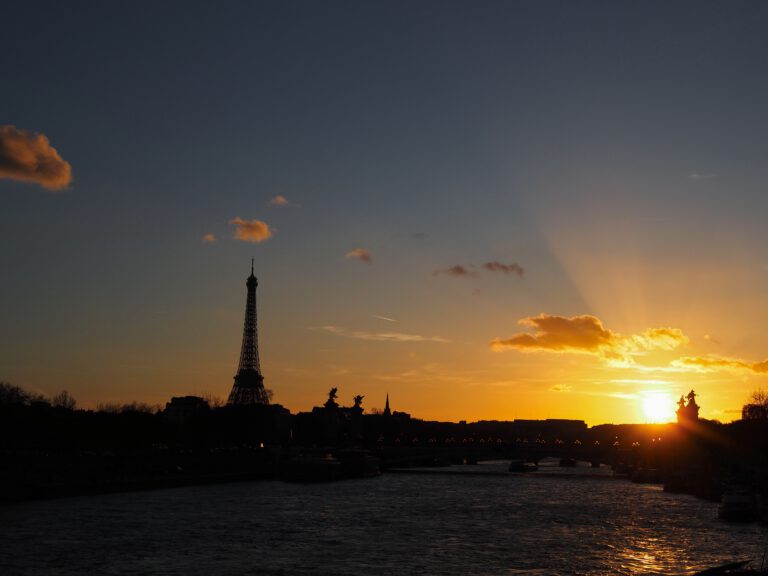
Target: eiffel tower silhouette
248,388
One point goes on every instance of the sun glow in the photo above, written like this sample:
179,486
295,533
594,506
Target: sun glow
658,407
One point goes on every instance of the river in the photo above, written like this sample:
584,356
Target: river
393,524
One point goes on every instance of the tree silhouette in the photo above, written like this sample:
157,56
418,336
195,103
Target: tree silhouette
64,400
756,407
14,395
10,394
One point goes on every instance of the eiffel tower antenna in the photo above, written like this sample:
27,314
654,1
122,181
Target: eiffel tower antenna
248,388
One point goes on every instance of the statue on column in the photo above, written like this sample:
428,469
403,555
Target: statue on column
687,411
332,395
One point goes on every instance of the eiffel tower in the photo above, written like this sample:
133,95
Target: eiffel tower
248,388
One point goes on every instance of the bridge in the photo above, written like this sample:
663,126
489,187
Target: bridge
471,453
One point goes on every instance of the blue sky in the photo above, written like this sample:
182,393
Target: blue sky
613,150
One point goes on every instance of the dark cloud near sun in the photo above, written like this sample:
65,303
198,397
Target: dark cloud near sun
559,334
585,334
29,157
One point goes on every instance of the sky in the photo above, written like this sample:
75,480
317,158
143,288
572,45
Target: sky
487,210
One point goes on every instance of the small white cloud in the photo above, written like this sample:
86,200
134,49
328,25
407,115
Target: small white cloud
360,254
251,230
281,200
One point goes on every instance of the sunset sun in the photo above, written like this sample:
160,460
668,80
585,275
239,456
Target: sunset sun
658,407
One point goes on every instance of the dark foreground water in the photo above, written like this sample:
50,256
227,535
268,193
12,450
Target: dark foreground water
395,524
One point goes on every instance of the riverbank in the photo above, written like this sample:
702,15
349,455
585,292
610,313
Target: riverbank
30,476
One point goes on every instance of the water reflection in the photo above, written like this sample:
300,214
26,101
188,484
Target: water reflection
392,524
649,556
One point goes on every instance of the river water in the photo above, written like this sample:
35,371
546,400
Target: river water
394,524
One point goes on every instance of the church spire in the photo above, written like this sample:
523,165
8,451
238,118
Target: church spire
387,412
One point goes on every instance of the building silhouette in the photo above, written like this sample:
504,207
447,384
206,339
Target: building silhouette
248,389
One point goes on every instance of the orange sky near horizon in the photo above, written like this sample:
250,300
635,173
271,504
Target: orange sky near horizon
487,210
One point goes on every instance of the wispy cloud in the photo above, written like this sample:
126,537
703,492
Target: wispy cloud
429,373
29,157
701,176
460,270
360,254
457,270
254,231
209,238
714,363
281,200
384,318
595,393
642,381
586,335
602,394
378,336
654,339
504,268
560,388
